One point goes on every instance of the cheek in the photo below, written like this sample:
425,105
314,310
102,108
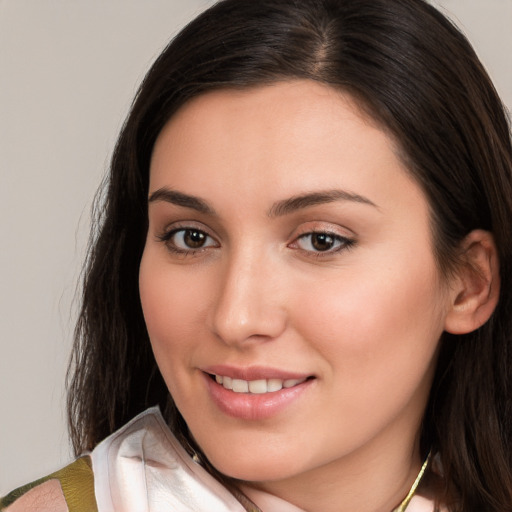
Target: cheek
172,306
378,328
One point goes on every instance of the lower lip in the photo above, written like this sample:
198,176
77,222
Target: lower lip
249,406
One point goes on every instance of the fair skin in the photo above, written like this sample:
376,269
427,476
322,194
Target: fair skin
47,497
311,259
338,292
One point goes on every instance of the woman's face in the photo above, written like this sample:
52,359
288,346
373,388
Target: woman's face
288,283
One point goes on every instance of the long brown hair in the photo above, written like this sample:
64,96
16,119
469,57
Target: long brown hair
418,76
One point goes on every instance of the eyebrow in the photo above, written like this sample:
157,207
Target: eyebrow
279,209
181,199
299,202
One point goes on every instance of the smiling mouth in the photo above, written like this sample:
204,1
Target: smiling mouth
256,387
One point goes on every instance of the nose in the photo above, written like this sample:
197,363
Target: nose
249,305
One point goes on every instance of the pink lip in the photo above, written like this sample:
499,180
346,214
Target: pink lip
253,372
247,406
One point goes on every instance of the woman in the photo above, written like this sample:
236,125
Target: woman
304,261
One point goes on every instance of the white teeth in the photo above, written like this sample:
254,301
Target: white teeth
227,382
240,386
274,384
257,387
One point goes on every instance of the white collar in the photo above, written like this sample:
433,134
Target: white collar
143,468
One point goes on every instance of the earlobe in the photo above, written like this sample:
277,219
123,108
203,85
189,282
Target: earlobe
476,287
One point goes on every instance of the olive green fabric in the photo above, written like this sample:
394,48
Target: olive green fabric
76,481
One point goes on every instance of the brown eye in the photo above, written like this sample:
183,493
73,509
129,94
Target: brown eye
322,241
318,242
188,239
194,238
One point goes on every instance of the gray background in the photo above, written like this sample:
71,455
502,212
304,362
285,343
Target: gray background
69,70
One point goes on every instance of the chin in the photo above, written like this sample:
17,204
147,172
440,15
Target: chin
248,468
263,473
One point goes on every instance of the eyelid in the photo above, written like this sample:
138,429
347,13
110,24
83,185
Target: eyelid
340,243
166,234
169,227
344,237
331,228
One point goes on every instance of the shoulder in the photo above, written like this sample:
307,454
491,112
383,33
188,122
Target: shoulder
44,497
70,489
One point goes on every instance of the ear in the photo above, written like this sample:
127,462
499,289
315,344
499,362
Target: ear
475,288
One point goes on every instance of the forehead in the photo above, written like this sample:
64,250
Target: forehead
289,99
284,114
281,129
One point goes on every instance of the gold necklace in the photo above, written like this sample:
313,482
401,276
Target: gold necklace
251,507
410,494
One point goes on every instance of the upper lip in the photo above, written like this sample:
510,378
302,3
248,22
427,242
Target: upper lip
250,373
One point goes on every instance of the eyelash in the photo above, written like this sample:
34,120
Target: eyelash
166,238
339,242
344,243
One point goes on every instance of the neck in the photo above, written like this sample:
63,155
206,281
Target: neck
366,481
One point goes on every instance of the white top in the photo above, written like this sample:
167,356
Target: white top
143,468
